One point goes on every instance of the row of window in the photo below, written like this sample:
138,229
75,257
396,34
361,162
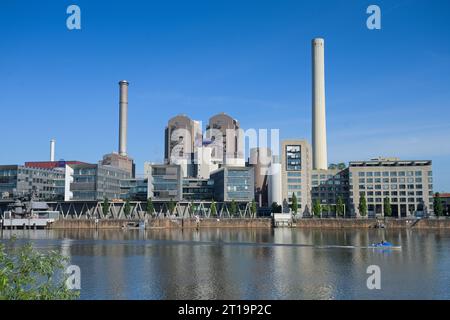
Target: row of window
393,180
392,174
392,186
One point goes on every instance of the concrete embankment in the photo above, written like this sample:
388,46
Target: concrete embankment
372,223
163,223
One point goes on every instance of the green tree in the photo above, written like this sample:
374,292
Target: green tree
193,208
340,207
317,208
27,274
294,205
276,208
172,205
326,208
233,208
253,208
387,207
213,209
437,205
150,207
362,207
127,208
105,207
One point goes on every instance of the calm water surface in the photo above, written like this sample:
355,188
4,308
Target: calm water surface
251,263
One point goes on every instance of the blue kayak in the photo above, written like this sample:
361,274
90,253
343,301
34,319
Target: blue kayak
385,244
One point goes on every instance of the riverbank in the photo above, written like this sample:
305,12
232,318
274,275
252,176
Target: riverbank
373,223
314,223
164,223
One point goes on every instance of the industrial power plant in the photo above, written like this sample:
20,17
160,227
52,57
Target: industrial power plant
207,174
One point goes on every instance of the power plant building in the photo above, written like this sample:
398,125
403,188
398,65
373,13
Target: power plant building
227,139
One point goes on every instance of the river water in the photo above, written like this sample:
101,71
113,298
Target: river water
251,263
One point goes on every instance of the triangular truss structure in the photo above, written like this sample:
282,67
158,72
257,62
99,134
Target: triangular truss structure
116,210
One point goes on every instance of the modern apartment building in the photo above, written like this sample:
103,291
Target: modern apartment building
296,166
407,183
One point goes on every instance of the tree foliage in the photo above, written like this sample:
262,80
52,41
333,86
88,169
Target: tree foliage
172,205
213,209
253,208
276,208
105,207
317,208
294,206
340,207
127,208
362,207
150,207
437,205
387,207
27,274
233,207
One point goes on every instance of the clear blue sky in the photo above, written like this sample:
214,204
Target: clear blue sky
388,91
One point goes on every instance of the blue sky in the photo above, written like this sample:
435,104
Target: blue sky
387,90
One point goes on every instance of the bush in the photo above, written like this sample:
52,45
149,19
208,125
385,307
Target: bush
26,274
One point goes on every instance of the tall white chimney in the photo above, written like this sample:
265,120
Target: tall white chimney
319,128
52,150
123,117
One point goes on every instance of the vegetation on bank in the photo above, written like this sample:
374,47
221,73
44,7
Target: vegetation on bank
27,274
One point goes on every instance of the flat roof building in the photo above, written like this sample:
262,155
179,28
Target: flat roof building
296,166
164,181
93,182
40,183
407,183
233,183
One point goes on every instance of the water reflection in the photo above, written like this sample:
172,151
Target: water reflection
250,263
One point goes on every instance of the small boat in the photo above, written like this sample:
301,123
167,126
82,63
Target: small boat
384,245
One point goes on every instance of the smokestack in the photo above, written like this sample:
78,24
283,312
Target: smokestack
52,150
123,117
319,129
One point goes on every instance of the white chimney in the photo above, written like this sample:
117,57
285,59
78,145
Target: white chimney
52,150
319,127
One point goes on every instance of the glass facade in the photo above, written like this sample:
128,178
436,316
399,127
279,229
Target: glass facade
293,158
42,184
234,184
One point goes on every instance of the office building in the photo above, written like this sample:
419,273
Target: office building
93,182
164,181
134,189
407,183
233,183
296,174
195,189
26,182
327,186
